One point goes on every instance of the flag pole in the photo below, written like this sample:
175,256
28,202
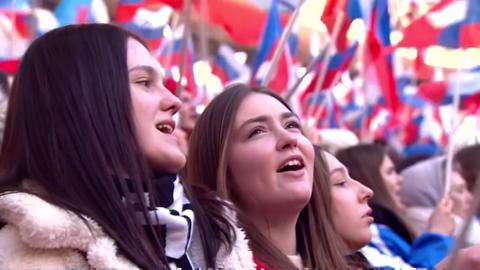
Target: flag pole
328,55
331,98
321,108
364,128
186,36
310,67
283,40
460,242
203,30
203,46
175,24
14,35
453,128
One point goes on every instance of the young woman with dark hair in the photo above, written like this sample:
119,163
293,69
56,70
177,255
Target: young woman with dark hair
423,189
248,146
370,165
352,218
88,164
467,160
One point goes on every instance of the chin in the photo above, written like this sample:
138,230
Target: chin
300,200
173,164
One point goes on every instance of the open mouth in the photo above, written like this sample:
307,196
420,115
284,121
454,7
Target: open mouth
165,128
294,164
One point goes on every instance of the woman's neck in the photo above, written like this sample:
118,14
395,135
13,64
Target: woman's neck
280,230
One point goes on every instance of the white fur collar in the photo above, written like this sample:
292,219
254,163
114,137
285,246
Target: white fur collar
42,225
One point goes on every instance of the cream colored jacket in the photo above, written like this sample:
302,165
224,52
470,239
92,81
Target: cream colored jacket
39,235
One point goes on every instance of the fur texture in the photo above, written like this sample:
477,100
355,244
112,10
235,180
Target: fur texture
41,235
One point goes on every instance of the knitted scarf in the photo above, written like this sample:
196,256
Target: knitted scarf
173,216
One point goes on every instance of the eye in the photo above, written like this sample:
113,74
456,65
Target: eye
256,131
293,125
143,82
340,183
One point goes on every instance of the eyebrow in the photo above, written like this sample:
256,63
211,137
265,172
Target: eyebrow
338,169
149,69
264,118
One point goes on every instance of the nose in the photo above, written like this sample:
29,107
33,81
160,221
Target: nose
399,179
169,101
468,197
365,193
286,140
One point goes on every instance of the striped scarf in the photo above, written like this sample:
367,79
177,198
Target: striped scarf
173,216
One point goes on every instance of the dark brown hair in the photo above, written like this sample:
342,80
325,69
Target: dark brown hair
363,162
318,243
70,128
468,159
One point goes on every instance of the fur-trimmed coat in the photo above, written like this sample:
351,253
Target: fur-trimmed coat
41,235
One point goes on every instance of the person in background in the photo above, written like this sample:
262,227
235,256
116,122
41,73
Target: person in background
249,146
352,218
88,164
351,214
424,187
187,116
467,161
392,234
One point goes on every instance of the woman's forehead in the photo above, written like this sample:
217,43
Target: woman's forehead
138,55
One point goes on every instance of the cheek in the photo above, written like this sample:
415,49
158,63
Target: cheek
340,215
342,223
248,158
390,182
307,149
240,167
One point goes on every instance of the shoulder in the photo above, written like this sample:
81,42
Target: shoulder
240,257
52,237
14,251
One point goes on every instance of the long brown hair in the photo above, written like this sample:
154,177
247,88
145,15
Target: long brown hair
318,243
468,161
363,162
70,128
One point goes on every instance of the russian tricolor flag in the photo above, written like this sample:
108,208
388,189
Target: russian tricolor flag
338,64
378,65
271,36
126,9
150,25
450,23
351,10
15,6
442,92
21,12
81,11
9,66
35,23
173,58
227,68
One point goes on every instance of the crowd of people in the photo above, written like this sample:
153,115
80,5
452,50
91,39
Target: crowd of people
95,172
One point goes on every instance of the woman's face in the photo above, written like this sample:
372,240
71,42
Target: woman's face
461,197
351,214
153,108
187,116
270,161
392,179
